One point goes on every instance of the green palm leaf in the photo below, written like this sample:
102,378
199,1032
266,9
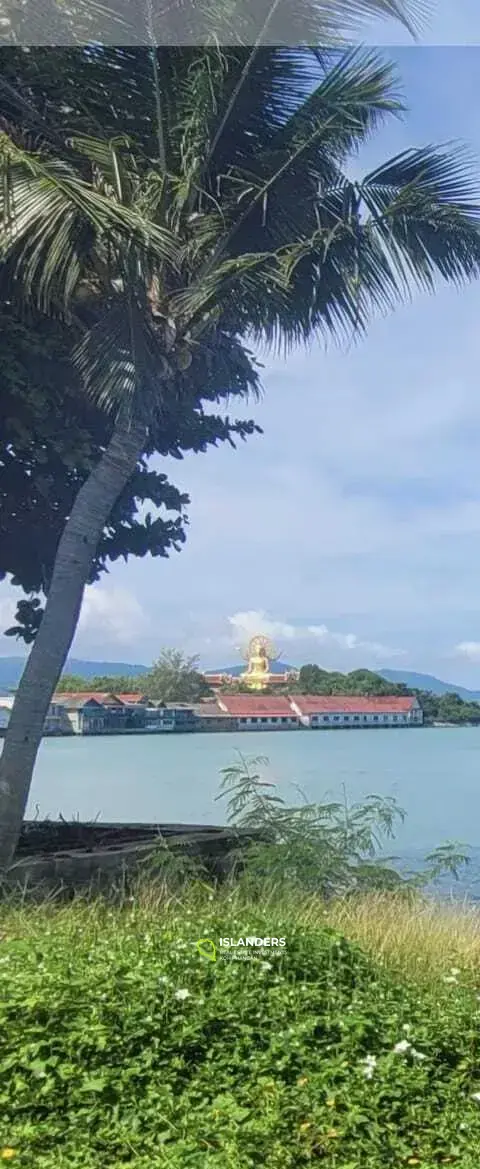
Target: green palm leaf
50,216
208,21
217,235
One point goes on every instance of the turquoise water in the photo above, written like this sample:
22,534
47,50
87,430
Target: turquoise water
433,773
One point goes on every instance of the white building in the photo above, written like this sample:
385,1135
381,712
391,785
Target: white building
332,710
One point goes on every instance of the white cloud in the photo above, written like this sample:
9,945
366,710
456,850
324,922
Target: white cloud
247,624
111,615
350,641
469,649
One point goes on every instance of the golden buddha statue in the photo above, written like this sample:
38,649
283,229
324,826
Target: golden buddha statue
258,655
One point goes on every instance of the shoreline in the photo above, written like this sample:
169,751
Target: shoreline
141,732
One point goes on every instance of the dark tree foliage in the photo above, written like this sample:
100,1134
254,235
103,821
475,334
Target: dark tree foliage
314,680
100,683
50,437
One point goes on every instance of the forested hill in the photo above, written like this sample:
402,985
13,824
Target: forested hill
447,708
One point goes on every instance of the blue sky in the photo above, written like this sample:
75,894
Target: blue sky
349,531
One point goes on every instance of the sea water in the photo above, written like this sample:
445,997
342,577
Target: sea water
433,774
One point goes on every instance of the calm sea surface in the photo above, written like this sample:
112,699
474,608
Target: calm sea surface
433,773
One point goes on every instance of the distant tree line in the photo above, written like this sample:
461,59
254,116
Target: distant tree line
175,678
172,678
449,708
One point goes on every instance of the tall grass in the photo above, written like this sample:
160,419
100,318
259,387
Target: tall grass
417,936
421,937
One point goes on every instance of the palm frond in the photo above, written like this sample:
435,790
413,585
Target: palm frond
111,161
51,219
422,209
206,22
444,174
347,17
122,361
218,241
306,152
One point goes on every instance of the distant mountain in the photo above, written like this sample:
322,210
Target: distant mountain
235,671
429,682
11,670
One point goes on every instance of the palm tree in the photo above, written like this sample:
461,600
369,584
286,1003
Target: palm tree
173,221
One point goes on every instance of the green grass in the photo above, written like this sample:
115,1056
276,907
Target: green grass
101,1065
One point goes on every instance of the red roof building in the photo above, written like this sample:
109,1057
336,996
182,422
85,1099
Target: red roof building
262,712
351,704
259,713
87,696
133,699
243,704
349,710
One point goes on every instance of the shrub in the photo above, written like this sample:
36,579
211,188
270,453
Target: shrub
284,1062
332,849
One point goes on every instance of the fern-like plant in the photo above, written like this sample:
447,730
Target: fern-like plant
331,848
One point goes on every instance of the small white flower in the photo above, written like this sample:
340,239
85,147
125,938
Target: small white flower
417,1054
449,978
476,1096
406,1027
369,1065
181,995
162,980
264,966
455,971
402,1047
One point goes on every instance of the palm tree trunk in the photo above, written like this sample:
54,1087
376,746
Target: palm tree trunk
73,562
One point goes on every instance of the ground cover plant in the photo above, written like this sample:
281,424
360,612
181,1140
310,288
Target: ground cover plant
357,1043
123,1045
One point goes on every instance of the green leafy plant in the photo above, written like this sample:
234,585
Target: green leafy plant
333,848
122,1045
171,863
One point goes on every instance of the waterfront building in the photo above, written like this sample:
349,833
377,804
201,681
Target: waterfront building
55,723
159,719
263,713
335,710
183,715
209,716
94,713
82,714
107,714
259,713
133,699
